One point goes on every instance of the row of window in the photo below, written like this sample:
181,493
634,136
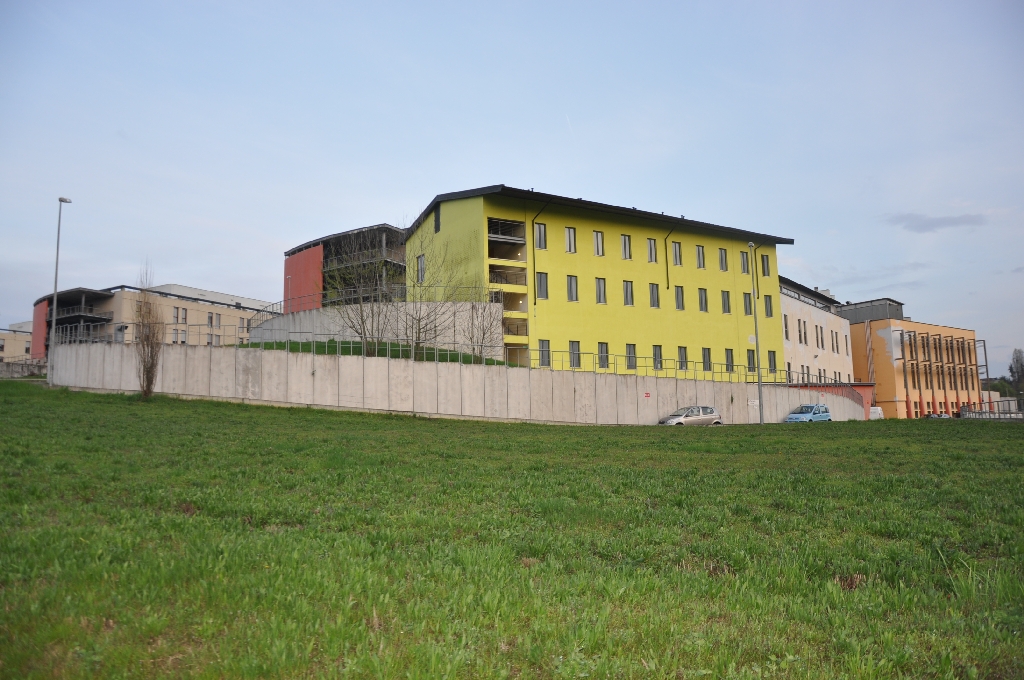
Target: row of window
929,378
805,374
28,346
626,250
181,337
803,336
654,292
179,315
657,357
945,350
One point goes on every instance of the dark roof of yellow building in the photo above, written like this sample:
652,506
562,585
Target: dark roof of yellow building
579,203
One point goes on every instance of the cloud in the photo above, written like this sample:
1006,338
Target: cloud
1018,270
922,224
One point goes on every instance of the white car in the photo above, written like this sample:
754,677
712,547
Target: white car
693,415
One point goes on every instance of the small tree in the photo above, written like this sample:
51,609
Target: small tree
1017,370
148,338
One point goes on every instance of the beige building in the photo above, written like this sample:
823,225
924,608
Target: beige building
16,342
192,315
815,339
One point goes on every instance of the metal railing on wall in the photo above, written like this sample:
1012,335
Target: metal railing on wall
470,353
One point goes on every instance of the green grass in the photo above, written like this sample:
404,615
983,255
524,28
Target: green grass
178,537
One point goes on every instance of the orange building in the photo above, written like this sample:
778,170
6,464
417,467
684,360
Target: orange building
918,368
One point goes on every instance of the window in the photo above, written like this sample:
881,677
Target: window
570,239
209,319
631,357
574,354
540,236
437,218
652,250
799,332
706,358
702,299
656,353
216,341
681,357
542,285
847,344
602,296
766,269
602,355
748,304
729,365
184,315
653,288
723,259
216,320
599,243
544,347
421,268
769,311
209,338
28,347
174,339
751,360
2,343
726,303
744,262
571,288
677,253
771,360
679,298
174,315
785,326
627,247
627,293
700,257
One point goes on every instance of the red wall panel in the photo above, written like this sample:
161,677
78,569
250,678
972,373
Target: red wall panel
39,314
306,268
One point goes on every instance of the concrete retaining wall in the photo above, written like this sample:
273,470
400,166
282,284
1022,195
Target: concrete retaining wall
445,389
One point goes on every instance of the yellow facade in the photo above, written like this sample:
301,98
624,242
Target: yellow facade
15,345
464,241
918,368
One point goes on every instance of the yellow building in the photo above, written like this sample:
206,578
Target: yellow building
16,342
918,368
191,316
600,287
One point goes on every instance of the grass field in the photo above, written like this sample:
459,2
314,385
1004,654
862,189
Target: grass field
199,538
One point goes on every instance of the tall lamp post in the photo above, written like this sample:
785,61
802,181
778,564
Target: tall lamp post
53,317
289,294
757,335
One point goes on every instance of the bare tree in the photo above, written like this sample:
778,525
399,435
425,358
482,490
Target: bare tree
148,339
361,286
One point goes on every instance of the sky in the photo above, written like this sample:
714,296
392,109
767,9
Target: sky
207,138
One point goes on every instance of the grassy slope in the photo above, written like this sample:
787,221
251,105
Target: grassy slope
177,537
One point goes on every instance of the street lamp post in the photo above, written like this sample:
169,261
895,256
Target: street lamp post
53,317
289,279
757,335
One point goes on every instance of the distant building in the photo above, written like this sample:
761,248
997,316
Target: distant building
816,339
918,368
16,342
192,316
359,258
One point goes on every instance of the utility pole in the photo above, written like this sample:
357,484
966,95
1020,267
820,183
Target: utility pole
53,317
757,335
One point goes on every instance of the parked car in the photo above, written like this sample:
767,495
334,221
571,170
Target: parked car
693,415
876,413
938,415
810,413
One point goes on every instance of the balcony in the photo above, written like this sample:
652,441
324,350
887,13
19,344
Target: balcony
515,327
506,231
85,311
508,276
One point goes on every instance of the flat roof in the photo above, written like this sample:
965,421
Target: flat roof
579,203
171,290
318,241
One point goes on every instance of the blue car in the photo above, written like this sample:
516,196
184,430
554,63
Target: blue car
810,413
